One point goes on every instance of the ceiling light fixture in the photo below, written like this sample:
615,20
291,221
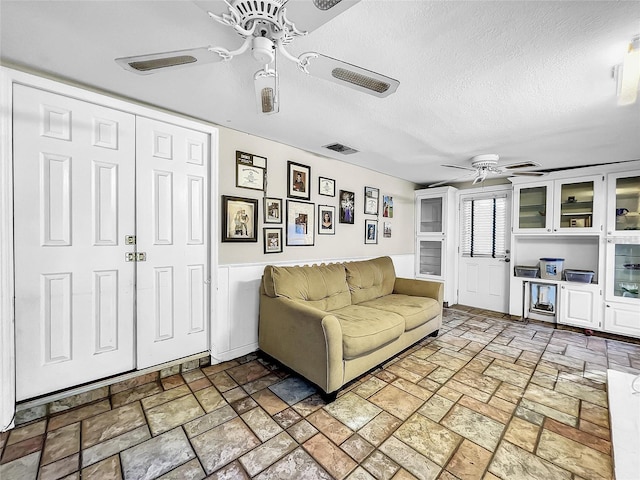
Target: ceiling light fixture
627,74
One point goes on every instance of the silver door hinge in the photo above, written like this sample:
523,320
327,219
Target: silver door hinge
129,239
135,257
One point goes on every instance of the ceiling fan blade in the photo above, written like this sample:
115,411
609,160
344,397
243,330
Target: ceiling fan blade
461,167
150,63
451,180
309,15
350,75
523,164
527,174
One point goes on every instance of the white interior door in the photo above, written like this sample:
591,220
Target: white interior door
172,230
483,279
73,205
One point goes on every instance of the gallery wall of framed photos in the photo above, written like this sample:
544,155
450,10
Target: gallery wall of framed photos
284,204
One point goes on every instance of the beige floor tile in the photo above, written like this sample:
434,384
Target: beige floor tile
436,407
261,423
380,466
522,433
429,438
327,454
268,453
172,414
357,447
485,409
579,436
110,424
268,400
210,399
511,462
77,414
469,462
574,456
61,443
352,410
474,426
397,402
550,398
107,469
329,426
302,431
166,396
379,429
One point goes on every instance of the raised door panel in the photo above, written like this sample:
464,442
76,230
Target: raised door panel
622,319
172,230
579,306
73,192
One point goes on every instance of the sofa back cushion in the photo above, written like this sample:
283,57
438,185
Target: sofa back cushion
320,286
370,279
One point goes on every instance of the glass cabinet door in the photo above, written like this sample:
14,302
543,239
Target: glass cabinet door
430,252
532,208
579,205
624,205
626,271
576,205
431,215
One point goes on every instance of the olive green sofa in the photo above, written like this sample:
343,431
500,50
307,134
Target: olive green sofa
332,323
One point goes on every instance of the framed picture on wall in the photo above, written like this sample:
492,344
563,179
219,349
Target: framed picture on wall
272,210
326,220
239,219
386,230
251,171
326,186
370,231
298,178
300,223
272,240
347,206
371,196
387,206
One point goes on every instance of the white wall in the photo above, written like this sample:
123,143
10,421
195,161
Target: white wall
348,242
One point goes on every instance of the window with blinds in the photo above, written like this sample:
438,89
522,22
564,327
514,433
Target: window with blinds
483,227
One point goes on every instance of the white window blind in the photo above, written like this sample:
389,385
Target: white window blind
483,226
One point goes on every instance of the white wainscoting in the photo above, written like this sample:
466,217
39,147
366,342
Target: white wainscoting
235,325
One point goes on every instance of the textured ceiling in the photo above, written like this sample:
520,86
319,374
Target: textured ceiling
527,80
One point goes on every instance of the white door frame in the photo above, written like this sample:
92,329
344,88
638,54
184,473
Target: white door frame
476,192
9,77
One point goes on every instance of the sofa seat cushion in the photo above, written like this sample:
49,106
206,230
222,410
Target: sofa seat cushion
415,310
365,329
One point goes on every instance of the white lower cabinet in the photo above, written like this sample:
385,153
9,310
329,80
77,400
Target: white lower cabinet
580,305
622,318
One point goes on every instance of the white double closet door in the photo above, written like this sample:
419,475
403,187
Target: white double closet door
86,177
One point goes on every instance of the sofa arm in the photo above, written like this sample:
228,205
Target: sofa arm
420,288
307,340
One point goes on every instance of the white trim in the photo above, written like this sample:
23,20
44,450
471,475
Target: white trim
9,77
7,345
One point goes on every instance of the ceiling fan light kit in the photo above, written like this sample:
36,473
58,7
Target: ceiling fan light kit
268,32
487,164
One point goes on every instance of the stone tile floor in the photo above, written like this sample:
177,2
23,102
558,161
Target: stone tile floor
489,398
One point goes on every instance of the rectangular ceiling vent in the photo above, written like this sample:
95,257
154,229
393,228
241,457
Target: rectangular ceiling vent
338,147
325,4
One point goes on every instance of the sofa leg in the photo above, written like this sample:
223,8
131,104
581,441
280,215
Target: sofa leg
433,334
329,397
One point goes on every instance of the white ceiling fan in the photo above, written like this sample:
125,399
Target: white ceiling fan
267,30
487,164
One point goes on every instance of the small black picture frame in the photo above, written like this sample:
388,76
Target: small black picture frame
371,200
298,181
326,220
326,186
272,239
347,206
272,210
370,232
239,219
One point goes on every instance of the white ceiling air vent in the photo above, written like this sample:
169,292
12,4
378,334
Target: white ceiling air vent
338,147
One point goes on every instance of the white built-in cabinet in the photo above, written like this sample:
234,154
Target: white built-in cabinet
592,220
109,247
435,238
580,305
566,206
